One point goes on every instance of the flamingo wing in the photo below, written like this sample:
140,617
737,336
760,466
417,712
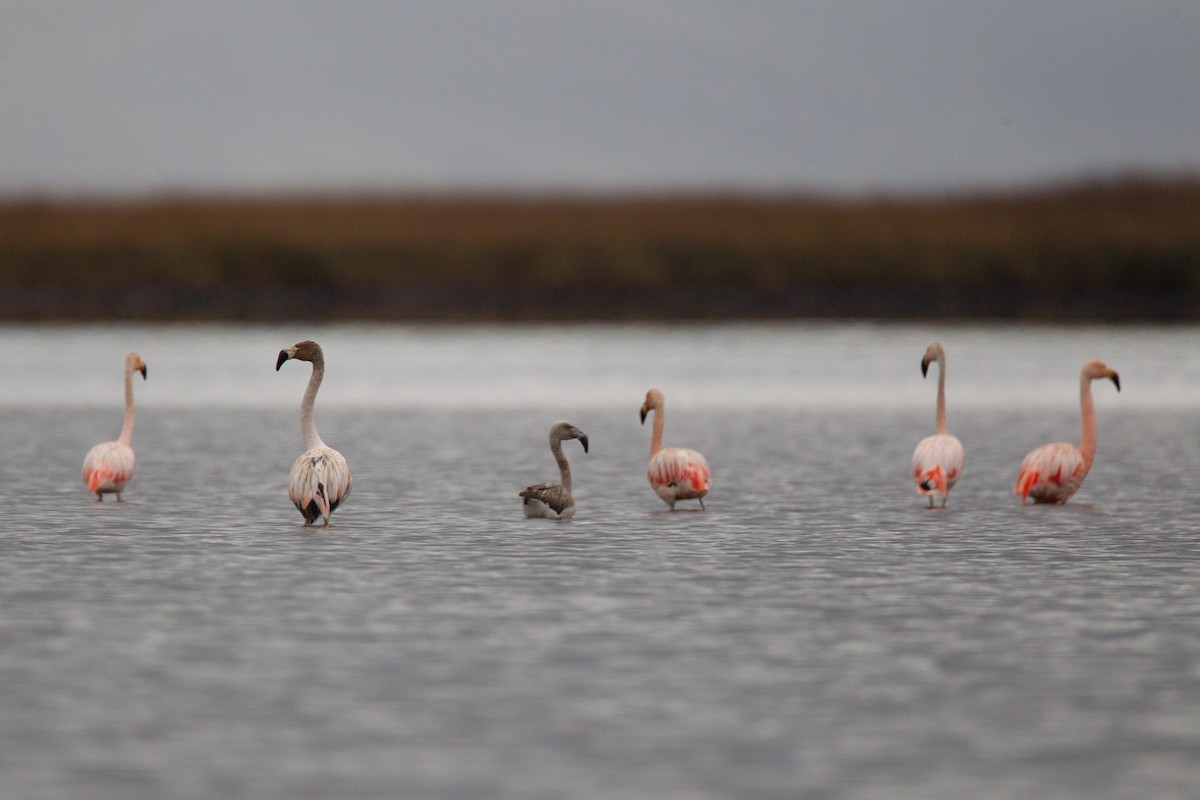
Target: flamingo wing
107,466
937,463
319,482
1051,473
553,495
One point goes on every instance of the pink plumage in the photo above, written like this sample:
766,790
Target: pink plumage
675,473
1054,472
108,467
938,460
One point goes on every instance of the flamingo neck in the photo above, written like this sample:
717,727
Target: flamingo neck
308,427
657,432
941,396
1087,436
564,468
126,437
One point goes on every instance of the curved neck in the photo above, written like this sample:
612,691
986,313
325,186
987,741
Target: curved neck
126,437
1087,436
564,469
657,433
941,398
307,426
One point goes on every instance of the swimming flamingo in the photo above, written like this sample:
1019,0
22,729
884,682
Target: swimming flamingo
675,473
108,467
554,500
320,478
938,460
1054,472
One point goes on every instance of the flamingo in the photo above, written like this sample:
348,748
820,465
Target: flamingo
1054,472
554,500
675,473
320,478
108,467
938,460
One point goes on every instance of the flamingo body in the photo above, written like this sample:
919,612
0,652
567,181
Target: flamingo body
318,483
1051,473
937,463
547,501
108,467
679,473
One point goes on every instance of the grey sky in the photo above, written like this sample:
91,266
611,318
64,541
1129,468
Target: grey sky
535,94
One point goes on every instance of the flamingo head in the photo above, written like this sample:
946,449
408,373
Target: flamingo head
308,350
563,430
1096,369
654,400
134,363
932,353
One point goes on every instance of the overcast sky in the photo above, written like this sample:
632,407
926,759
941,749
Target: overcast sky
612,94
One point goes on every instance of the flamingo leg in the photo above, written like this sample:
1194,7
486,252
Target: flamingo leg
945,497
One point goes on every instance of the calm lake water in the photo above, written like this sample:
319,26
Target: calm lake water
816,633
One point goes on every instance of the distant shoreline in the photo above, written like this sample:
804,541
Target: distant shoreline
1107,251
159,304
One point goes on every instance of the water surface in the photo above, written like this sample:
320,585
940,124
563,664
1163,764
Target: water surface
816,633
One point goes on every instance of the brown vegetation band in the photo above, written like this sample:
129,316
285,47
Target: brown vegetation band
1118,249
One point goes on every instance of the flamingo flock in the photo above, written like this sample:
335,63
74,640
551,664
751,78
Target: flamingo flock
319,481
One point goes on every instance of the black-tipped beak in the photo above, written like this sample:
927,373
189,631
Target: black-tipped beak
143,371
924,367
643,413
1116,379
283,356
583,441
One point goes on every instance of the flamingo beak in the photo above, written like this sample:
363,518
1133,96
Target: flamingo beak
925,367
643,415
283,356
583,441
143,371
1116,379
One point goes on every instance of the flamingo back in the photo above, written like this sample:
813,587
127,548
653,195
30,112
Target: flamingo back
683,470
937,463
108,467
319,482
1051,473
550,500
547,500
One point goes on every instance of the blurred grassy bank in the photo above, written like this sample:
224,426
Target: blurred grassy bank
1103,250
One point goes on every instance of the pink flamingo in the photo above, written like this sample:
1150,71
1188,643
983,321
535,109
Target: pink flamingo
320,479
1054,472
938,460
675,473
108,467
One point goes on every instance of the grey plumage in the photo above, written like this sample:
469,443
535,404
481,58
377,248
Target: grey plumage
554,495
554,500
